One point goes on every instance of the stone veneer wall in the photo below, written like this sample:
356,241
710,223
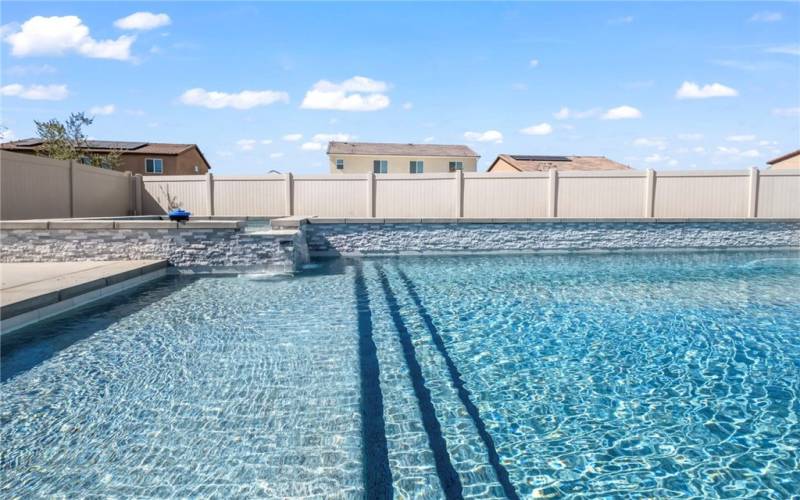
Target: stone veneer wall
194,249
399,238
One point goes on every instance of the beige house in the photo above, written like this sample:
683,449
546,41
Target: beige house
146,158
789,160
535,163
386,158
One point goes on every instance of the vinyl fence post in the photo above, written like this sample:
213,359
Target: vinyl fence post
553,193
752,210
210,192
371,194
289,193
138,193
131,193
71,189
649,193
459,193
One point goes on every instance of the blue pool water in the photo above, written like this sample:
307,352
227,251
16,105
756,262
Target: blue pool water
657,375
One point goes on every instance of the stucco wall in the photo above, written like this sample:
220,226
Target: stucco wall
793,162
387,238
355,164
197,249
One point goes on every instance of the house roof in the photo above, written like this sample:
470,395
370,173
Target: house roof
391,149
124,147
784,157
537,163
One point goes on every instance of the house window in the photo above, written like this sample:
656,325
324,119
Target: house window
196,169
415,166
339,164
85,160
154,166
380,166
456,165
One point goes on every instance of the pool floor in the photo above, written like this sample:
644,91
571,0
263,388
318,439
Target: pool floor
657,375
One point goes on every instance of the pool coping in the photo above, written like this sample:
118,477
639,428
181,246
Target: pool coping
55,295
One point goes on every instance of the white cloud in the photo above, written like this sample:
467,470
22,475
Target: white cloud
429,139
786,111
143,21
540,129
741,138
691,90
275,155
766,17
7,135
656,158
534,63
35,92
245,99
698,149
621,20
565,112
58,35
266,141
690,136
246,144
356,94
408,105
488,136
792,50
521,87
651,142
108,109
748,153
292,137
320,140
622,113
42,69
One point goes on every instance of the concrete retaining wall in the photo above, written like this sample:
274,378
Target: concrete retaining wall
379,238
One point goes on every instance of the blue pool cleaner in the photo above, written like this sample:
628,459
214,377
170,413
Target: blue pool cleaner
179,214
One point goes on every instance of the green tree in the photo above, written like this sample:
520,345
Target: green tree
67,141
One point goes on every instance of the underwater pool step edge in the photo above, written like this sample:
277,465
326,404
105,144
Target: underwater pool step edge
24,313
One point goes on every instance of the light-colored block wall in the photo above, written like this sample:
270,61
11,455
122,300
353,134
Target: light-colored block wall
357,164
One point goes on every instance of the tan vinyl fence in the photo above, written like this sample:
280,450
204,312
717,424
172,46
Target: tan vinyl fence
32,187
623,194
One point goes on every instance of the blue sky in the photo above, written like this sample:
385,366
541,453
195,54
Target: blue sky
263,86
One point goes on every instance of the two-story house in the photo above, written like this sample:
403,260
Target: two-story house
386,158
146,158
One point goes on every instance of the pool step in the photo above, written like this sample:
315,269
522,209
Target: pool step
411,460
469,451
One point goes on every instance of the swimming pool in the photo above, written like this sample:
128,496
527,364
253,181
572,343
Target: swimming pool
660,374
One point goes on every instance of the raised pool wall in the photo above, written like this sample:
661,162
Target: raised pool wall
225,245
197,246
352,237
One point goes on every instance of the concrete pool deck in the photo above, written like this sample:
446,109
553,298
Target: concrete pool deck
30,291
